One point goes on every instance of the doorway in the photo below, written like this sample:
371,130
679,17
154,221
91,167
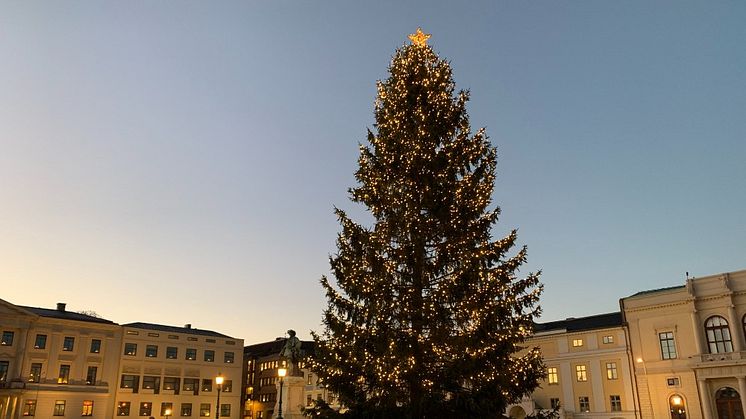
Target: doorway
728,403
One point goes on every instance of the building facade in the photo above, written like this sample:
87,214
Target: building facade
54,362
171,371
689,348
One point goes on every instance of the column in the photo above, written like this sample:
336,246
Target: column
596,373
704,398
735,329
566,381
742,391
697,331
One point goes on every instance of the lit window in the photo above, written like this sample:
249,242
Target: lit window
718,335
59,408
87,408
171,383
577,343
229,357
146,408
611,372
167,408
29,408
204,409
35,373
41,342
68,344
581,373
616,403
64,376
151,382
584,404
4,367
95,346
608,339
677,406
552,376
206,384
209,356
90,378
151,351
172,352
668,348
227,386
129,381
186,409
191,354
123,409
130,349
7,338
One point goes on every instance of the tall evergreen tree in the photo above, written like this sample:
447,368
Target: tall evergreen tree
428,316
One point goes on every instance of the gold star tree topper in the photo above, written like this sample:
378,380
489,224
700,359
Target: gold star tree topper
419,38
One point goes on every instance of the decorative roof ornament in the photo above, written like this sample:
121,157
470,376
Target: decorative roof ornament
419,38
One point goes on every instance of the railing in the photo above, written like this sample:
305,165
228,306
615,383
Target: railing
726,356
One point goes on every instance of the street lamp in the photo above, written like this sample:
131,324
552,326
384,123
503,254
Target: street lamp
219,381
167,413
281,372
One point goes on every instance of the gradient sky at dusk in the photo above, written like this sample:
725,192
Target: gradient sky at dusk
178,161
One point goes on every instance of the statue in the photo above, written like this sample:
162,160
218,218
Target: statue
292,353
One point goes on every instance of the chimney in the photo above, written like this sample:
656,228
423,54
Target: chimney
61,306
188,326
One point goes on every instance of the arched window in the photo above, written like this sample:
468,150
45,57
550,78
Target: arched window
677,406
718,335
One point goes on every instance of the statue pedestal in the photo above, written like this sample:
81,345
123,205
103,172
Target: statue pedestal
293,391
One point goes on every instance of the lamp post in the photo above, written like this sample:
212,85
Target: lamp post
281,372
219,382
167,413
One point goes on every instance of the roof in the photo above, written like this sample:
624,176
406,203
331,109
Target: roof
66,315
658,290
273,347
176,329
598,321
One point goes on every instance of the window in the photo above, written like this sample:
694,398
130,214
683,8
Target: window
192,339
146,408
310,379
577,342
672,381
204,409
309,399
95,346
206,384
210,340
7,338
151,351
554,403
225,410
29,408
581,373
191,384
130,349
668,349
173,336
35,374
611,372
552,376
87,408
68,344
186,409
209,356
616,403
191,354
64,376
4,366
133,332
229,357
608,339
171,383
123,409
129,381
59,408
150,382
41,342
90,377
227,386
584,404
154,335
678,408
172,352
718,335
167,408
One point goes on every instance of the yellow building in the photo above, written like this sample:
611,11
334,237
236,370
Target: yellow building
589,372
171,371
54,362
688,346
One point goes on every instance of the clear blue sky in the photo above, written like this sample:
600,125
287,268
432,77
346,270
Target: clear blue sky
177,161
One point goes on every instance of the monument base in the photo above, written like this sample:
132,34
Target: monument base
293,392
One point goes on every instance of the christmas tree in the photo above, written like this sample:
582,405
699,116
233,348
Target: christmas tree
428,316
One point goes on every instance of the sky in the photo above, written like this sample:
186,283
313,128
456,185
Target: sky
178,162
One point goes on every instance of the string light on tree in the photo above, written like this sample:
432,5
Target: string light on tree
427,316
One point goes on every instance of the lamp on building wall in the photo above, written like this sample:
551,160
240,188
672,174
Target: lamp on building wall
167,413
281,372
677,407
219,381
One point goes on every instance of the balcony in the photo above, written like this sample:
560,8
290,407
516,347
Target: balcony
722,357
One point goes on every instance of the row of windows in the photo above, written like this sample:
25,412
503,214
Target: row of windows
172,352
167,409
151,382
62,378
581,373
29,408
576,343
584,403
176,337
717,333
40,342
